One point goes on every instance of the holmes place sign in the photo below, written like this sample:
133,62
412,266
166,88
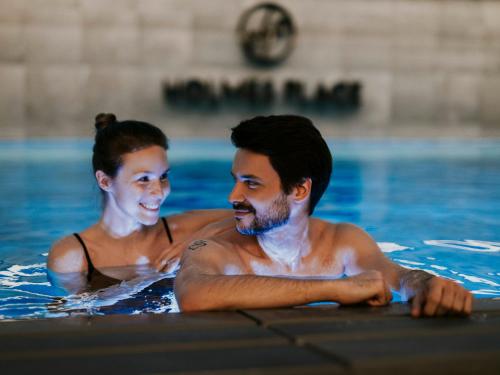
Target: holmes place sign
267,36
252,93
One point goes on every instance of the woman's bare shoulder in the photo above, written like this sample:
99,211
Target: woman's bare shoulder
66,255
198,217
189,222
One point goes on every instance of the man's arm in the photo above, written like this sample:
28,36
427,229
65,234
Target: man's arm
429,295
201,285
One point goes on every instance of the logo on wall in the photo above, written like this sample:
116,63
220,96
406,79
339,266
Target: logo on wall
266,34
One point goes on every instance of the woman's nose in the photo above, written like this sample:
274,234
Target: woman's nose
157,189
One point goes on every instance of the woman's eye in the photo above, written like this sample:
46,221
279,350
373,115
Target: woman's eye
252,184
143,179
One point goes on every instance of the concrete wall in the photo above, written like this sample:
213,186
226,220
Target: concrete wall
428,67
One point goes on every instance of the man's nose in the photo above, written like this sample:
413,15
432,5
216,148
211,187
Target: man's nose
236,194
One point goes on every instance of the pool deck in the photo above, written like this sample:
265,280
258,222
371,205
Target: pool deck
305,340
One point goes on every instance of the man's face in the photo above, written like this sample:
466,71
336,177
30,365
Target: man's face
258,201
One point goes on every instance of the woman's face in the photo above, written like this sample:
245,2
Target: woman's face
141,185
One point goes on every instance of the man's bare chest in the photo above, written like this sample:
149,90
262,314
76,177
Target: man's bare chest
310,266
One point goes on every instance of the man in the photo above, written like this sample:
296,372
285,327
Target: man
277,255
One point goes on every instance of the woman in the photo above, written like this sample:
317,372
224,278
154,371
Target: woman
131,168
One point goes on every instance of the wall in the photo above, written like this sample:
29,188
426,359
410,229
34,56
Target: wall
429,68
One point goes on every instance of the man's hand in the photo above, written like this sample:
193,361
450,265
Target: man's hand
438,296
368,287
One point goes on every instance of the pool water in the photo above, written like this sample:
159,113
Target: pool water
433,205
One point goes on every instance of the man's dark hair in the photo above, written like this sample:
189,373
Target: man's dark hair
295,149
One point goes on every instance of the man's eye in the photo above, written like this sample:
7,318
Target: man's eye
164,177
143,179
252,184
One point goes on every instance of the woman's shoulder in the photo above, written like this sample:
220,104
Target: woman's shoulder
66,255
198,217
186,223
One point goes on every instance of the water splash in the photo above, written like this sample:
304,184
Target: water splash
93,302
389,247
27,294
469,245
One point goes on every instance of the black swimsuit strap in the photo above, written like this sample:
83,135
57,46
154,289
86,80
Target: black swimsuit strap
90,265
167,229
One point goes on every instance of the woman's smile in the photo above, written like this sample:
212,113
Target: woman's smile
153,207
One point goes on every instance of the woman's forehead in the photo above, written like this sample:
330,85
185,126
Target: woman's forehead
149,158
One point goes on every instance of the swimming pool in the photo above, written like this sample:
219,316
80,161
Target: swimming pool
433,205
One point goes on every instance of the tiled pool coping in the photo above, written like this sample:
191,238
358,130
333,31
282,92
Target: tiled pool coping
307,340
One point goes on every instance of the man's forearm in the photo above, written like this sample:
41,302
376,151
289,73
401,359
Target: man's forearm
411,281
196,292
222,292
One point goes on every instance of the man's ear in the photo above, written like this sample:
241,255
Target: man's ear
302,190
103,180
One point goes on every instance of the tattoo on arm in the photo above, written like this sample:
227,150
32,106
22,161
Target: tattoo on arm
197,244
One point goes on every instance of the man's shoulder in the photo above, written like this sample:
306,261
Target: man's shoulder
223,238
225,247
322,227
342,233
212,253
349,229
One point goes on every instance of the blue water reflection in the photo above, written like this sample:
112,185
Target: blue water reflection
402,193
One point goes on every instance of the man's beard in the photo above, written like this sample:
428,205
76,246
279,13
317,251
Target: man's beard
277,215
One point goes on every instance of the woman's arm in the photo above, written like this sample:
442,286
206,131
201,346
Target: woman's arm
71,282
66,265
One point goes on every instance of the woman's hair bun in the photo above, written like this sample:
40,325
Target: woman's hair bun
104,119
